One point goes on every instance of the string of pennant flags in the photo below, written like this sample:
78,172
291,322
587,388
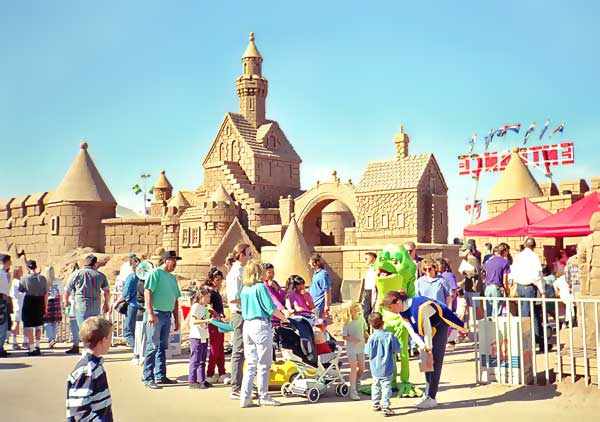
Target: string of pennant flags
515,128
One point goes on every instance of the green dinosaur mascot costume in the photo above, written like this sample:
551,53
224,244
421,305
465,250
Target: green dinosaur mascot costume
396,270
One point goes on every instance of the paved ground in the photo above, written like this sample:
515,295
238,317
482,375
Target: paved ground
33,389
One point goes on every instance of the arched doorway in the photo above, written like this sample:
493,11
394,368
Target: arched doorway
325,223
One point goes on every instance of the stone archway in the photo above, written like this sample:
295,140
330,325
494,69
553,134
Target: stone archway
309,207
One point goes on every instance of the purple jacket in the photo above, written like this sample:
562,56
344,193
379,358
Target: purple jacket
278,296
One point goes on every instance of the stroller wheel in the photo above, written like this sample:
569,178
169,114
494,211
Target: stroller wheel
313,395
343,390
286,390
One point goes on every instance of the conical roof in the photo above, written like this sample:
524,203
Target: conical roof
292,255
163,182
221,195
82,182
515,182
251,50
178,201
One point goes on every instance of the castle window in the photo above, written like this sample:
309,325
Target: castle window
384,221
54,225
400,219
369,221
291,171
270,168
441,218
185,237
195,236
251,103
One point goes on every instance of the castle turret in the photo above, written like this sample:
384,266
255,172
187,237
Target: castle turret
162,191
219,213
401,141
170,221
252,87
77,207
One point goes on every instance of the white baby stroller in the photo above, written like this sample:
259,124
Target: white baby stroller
316,372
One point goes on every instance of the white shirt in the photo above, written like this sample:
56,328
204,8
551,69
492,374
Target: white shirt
4,282
59,286
17,296
234,284
123,273
198,331
370,279
527,269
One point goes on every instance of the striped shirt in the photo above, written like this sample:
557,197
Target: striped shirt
88,285
88,397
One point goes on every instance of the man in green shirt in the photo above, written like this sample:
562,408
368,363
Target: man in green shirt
161,294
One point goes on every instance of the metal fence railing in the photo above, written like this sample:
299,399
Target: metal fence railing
505,340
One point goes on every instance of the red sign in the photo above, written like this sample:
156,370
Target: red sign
546,155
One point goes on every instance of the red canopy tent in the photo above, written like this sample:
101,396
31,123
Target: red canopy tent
571,222
512,222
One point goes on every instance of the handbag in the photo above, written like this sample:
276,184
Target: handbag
122,307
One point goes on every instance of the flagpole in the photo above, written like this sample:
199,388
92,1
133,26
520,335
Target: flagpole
145,178
476,182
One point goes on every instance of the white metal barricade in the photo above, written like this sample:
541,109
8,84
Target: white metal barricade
514,340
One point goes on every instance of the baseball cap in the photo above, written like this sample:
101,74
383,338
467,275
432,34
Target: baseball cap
31,264
170,255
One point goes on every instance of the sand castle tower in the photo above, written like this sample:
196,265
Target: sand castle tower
163,191
219,212
252,87
77,207
292,255
515,182
170,221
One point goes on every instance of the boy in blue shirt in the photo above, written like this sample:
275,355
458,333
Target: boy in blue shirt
381,350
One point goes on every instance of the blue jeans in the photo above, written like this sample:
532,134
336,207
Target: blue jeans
129,325
74,331
50,330
381,391
530,290
155,358
493,291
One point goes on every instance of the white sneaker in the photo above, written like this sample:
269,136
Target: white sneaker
354,395
246,403
224,379
426,403
135,361
213,380
269,402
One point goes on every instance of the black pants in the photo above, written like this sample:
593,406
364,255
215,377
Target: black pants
367,309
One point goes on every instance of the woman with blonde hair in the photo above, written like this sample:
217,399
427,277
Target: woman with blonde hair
257,309
54,310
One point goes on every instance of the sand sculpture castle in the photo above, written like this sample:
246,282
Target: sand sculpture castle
250,192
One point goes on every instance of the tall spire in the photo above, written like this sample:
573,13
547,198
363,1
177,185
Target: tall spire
401,141
83,182
252,87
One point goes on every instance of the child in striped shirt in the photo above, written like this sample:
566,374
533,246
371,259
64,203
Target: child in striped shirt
88,396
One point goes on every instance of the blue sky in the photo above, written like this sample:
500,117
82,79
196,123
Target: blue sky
146,83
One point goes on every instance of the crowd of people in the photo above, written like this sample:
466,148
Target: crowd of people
257,302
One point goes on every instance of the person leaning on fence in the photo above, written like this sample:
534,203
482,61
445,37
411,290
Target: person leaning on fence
161,293
497,269
88,285
526,271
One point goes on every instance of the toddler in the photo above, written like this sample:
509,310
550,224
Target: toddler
354,332
381,350
199,339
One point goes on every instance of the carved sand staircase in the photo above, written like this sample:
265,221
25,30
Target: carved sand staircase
239,185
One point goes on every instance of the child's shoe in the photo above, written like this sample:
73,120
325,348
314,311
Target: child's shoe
213,380
354,394
207,384
387,412
224,379
376,407
269,402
